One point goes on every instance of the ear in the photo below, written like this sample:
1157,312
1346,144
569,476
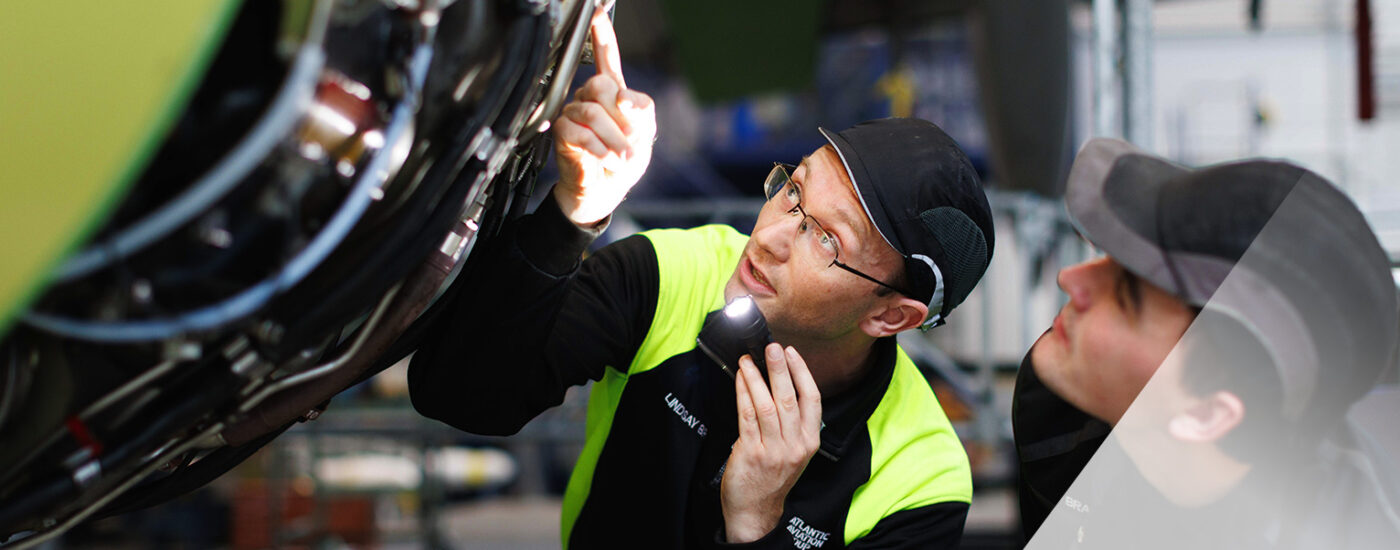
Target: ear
1208,419
893,314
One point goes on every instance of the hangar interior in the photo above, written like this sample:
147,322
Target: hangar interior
1021,85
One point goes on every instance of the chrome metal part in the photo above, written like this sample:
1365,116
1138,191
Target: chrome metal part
332,365
453,244
141,381
482,143
88,472
245,364
181,350
568,63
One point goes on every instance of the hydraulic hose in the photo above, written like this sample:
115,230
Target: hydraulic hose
254,298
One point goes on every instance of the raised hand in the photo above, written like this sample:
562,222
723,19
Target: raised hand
779,431
603,138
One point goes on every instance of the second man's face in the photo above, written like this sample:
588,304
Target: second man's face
1110,338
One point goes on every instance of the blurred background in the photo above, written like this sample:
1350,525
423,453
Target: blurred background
1021,84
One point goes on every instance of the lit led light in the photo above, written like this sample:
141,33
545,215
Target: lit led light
739,307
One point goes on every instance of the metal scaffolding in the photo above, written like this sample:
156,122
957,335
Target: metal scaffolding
1123,70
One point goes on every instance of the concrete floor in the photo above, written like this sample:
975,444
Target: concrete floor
532,523
526,523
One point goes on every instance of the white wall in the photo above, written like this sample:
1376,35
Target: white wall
1212,76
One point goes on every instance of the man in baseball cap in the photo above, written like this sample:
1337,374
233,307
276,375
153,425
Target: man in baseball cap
1194,390
836,441
923,196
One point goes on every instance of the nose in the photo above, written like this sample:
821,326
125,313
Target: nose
774,233
1083,281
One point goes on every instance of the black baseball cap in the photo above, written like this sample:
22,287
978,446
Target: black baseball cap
924,198
1270,244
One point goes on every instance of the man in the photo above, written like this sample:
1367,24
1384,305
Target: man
844,445
1240,312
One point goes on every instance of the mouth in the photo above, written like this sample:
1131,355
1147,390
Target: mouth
754,279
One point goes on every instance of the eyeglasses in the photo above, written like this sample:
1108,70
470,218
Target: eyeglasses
787,195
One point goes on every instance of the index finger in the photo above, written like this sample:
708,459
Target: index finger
781,386
748,418
809,398
606,53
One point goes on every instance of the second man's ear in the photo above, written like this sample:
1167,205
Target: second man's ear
1209,419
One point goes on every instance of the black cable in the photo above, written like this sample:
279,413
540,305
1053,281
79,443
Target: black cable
513,116
536,154
187,479
185,405
399,252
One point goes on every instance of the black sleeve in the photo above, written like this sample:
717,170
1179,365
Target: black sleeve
934,526
531,322
1054,441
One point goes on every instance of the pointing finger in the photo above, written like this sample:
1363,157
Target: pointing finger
606,53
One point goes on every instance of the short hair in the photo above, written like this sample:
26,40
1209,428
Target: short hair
898,280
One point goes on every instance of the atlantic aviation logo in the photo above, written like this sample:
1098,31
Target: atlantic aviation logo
805,536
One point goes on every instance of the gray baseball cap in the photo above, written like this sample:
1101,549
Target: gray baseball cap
1272,245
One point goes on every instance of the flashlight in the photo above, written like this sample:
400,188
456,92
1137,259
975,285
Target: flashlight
749,326
739,329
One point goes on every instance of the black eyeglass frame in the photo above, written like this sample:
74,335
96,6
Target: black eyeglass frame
769,193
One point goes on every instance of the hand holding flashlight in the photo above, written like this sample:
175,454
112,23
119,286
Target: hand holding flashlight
779,430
